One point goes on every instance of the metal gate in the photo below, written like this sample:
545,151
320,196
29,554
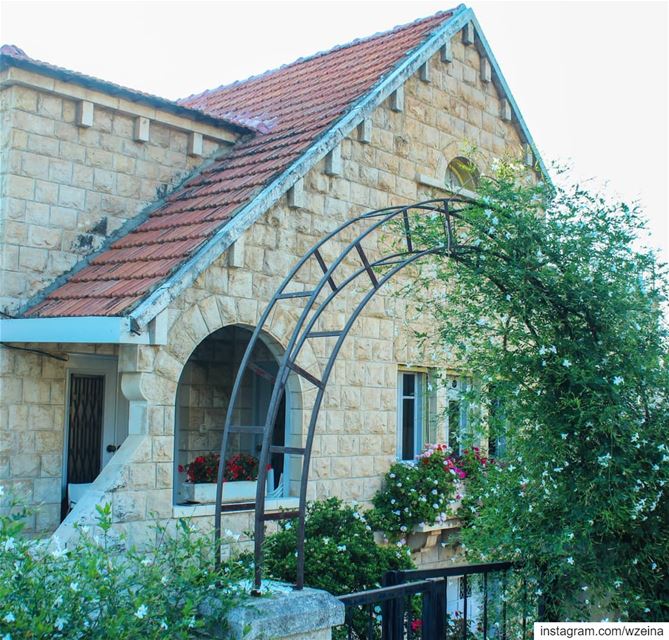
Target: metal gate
84,444
489,601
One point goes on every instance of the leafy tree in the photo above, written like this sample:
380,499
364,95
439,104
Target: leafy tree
552,307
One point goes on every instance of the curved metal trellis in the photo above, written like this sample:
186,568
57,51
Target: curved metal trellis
378,272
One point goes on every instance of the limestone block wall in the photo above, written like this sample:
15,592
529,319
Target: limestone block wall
32,427
356,433
65,188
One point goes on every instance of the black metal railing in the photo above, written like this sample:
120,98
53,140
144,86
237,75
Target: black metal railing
494,601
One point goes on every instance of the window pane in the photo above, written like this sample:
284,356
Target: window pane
408,384
454,425
408,428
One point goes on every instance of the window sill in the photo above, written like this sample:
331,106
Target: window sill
449,523
429,181
203,510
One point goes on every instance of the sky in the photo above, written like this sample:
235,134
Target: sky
590,78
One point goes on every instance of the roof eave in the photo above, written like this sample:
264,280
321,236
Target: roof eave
83,330
244,218
110,88
147,310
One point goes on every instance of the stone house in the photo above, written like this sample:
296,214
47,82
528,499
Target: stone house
142,239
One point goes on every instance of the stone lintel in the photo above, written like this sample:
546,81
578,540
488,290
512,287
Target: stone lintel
505,110
365,131
308,614
333,162
85,110
486,71
236,253
195,144
296,195
528,155
141,129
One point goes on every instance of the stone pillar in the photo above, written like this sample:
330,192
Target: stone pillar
308,614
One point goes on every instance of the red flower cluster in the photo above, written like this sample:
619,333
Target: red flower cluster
202,469
476,454
472,461
241,466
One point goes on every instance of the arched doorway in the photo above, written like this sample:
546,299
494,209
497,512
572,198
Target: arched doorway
202,399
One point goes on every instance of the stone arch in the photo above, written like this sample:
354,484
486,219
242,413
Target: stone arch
214,318
215,312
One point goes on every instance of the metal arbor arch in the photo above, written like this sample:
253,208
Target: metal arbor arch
377,272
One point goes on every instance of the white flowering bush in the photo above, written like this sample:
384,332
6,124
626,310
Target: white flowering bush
340,553
558,312
97,590
426,492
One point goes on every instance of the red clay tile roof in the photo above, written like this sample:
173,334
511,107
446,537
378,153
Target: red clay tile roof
294,105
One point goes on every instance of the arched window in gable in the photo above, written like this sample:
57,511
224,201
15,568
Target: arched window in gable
462,173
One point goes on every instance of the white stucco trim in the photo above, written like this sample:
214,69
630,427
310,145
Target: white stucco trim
200,510
86,329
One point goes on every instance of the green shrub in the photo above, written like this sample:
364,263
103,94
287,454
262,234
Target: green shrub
559,312
423,493
340,553
98,590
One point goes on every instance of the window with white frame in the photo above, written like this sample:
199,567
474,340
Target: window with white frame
457,415
496,429
411,413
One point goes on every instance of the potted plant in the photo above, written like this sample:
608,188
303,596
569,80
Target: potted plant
419,500
240,475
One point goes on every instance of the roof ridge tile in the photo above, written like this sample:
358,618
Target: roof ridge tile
319,54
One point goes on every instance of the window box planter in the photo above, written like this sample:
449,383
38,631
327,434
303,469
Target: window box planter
422,536
205,492
427,536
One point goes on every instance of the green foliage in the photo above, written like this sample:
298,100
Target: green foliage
340,553
423,493
553,308
97,590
